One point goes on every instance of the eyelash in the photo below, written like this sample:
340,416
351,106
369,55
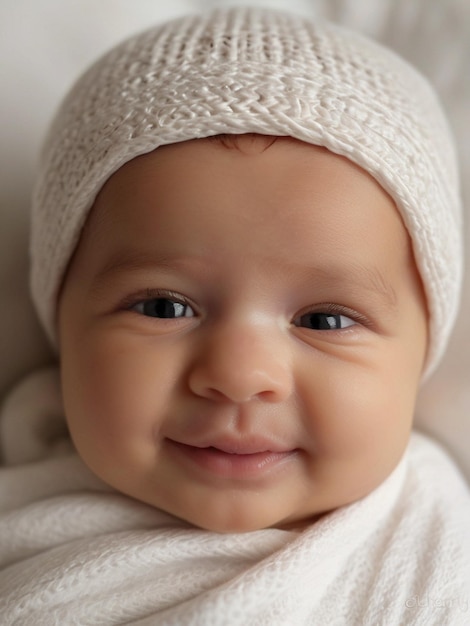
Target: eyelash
336,310
148,295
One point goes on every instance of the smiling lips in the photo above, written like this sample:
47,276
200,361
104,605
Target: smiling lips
235,459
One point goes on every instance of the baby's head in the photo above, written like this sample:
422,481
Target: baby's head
246,248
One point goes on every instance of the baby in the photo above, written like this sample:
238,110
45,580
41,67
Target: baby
246,250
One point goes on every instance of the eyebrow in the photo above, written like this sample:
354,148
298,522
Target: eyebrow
369,278
129,261
136,261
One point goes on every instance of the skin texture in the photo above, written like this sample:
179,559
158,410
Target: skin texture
241,412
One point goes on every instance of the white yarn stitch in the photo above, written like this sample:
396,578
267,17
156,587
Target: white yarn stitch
254,70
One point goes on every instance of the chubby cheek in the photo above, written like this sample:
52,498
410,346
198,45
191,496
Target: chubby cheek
359,420
115,394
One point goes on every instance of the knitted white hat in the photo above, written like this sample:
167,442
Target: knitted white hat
254,70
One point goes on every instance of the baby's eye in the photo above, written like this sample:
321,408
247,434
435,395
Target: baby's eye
324,321
164,308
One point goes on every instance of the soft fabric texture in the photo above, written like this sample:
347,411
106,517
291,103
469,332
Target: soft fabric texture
72,551
252,70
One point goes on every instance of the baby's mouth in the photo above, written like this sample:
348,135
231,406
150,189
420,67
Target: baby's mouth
235,459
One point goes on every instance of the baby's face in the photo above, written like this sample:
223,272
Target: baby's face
242,333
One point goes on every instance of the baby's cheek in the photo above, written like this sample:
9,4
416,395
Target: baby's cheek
124,386
359,411
93,402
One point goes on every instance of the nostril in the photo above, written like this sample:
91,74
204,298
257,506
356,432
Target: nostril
215,394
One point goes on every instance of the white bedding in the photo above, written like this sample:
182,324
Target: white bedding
72,551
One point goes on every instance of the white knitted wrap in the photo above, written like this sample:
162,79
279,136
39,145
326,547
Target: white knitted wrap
254,70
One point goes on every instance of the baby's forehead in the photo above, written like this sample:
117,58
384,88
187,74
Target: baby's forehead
267,173
248,145
240,159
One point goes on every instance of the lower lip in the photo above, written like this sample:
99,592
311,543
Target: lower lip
235,466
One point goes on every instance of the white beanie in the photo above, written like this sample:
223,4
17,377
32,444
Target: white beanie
254,71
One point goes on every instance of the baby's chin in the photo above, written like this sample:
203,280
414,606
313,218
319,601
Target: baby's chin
245,521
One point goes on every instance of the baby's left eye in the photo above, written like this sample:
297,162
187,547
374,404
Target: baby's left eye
324,321
163,308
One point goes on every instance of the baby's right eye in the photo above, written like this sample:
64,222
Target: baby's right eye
163,308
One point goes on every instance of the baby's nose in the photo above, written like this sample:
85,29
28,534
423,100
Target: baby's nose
242,363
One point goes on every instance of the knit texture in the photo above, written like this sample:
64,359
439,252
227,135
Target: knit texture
254,70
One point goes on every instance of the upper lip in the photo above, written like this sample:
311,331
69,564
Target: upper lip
240,445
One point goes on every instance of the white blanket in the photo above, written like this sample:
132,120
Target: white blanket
72,551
